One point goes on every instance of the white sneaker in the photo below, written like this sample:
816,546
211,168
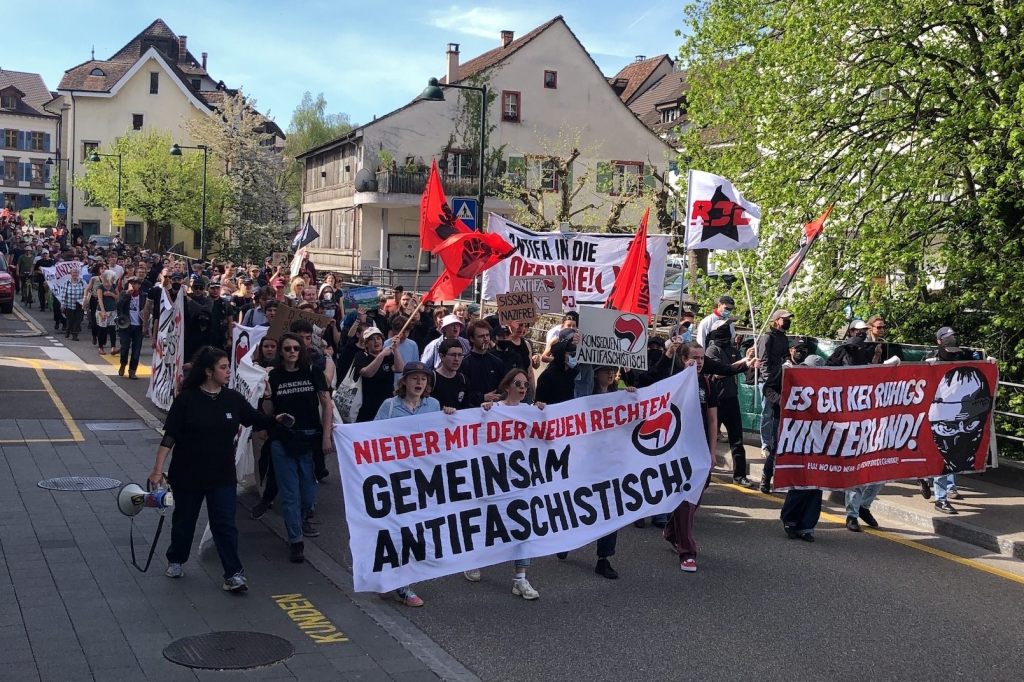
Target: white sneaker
472,575
523,588
236,583
174,571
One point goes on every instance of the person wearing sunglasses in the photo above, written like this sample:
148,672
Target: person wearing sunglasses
300,390
513,388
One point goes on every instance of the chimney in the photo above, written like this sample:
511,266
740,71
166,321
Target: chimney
453,62
204,61
641,57
182,48
506,38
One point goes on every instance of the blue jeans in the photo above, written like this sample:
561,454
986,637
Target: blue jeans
220,508
941,485
296,485
861,496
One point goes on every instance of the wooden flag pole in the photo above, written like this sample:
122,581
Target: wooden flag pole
419,258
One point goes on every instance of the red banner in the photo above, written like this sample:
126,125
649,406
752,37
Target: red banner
848,426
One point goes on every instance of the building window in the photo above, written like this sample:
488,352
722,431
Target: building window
669,115
38,142
133,233
510,109
196,83
11,138
10,200
197,239
11,171
154,82
9,101
88,148
622,178
136,121
97,72
37,173
459,165
37,200
551,79
542,173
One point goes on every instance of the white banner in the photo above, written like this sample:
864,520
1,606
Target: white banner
60,274
612,337
717,215
587,263
439,494
168,351
244,342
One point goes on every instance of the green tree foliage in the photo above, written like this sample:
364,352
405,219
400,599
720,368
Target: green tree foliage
159,188
907,116
310,127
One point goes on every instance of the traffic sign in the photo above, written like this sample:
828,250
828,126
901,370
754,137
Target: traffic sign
117,216
61,208
465,210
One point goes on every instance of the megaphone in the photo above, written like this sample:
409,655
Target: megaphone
132,499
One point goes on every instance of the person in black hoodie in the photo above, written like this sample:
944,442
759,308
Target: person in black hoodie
773,350
556,383
853,350
721,349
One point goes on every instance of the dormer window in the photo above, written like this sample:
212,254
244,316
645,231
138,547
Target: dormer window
669,115
195,84
97,72
8,100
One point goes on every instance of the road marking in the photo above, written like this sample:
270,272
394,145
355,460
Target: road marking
69,422
892,537
115,360
309,619
28,320
22,390
21,441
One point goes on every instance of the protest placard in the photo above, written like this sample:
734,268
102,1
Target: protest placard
611,337
279,259
288,314
848,426
358,298
168,351
547,292
586,263
441,494
516,308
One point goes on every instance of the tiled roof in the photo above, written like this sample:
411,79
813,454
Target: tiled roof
668,89
635,74
33,90
499,54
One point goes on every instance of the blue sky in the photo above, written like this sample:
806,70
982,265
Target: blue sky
366,57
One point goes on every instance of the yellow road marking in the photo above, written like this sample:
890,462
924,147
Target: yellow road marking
19,441
892,537
115,360
28,320
69,422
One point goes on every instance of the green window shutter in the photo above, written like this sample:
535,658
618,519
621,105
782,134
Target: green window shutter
568,178
650,182
517,169
605,176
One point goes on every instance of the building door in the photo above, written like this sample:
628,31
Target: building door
89,228
133,233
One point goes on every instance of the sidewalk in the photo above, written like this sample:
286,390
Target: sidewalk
991,515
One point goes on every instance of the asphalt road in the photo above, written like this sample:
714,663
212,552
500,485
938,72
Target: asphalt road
848,607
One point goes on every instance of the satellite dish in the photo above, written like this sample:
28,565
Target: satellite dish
365,181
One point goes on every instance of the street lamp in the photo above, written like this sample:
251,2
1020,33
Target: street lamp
95,157
434,93
176,151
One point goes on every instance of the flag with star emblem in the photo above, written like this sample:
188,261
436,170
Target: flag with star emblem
717,215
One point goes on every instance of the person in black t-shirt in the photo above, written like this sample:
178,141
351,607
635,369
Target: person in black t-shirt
482,368
377,366
300,390
201,426
450,386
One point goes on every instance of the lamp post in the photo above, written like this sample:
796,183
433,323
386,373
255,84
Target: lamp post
59,163
95,157
435,93
176,151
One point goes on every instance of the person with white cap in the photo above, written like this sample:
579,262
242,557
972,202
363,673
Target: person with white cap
377,366
852,351
451,328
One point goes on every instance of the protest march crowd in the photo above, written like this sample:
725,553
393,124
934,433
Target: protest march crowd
256,364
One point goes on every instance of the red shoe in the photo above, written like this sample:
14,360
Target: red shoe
688,565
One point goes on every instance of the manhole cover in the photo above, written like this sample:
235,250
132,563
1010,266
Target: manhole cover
128,425
228,650
81,483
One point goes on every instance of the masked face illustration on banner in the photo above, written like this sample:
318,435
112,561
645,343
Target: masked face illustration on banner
959,415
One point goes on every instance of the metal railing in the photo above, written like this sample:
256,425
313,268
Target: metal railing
414,182
1016,416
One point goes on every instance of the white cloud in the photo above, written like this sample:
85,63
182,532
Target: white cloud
484,22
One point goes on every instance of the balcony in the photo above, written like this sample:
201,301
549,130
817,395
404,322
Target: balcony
414,182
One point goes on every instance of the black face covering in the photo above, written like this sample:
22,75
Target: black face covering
799,356
176,286
785,324
857,340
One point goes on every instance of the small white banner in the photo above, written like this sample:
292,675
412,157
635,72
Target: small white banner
168,351
440,494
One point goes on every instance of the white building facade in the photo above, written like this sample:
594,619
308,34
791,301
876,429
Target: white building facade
28,140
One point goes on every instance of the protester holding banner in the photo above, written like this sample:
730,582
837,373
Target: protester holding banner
37,273
450,385
201,427
556,383
774,352
377,366
297,389
71,297
483,369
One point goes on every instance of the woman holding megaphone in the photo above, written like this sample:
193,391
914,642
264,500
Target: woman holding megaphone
201,427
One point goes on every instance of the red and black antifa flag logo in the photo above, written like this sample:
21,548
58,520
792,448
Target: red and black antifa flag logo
631,332
658,434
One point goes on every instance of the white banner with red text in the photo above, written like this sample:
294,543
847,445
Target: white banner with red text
586,263
440,494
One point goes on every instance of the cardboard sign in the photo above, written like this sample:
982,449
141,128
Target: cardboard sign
358,298
516,307
611,337
287,314
279,259
547,292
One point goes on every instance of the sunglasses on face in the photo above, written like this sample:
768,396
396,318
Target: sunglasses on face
519,384
290,349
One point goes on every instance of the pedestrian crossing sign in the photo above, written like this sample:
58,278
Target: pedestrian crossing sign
465,210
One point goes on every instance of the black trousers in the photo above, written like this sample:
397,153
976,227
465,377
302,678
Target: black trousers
58,313
729,416
74,320
41,290
801,510
131,339
220,508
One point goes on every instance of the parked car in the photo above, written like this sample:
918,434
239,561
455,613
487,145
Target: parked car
6,287
104,241
668,307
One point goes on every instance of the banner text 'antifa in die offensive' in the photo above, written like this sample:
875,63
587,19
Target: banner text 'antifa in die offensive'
440,494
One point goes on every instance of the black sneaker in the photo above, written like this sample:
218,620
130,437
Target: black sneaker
120,371
867,517
807,537
260,509
926,488
640,523
322,474
605,569
296,552
791,532
945,507
309,531
562,555
954,494
851,524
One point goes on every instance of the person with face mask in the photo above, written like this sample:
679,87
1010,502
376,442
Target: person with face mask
722,312
556,383
773,350
721,349
853,350
199,329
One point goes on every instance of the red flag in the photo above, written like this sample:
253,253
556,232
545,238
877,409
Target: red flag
446,288
631,292
811,232
437,222
466,255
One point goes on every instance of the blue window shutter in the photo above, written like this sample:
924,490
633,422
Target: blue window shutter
3,137
46,142
22,139
26,172
22,202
